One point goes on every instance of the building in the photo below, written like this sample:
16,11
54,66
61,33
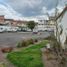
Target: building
2,19
42,25
62,27
8,24
45,25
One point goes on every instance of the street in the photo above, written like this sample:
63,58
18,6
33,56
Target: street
11,39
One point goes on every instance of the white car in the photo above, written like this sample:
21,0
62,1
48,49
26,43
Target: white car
2,29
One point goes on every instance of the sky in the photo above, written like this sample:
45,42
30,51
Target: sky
29,8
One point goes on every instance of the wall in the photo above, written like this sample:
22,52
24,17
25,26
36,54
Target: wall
1,19
63,26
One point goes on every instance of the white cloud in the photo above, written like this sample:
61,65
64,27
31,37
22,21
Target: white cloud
26,7
24,3
44,10
42,17
60,8
11,14
36,18
51,12
36,8
8,12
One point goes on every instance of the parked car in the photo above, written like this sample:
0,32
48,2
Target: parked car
8,29
11,29
2,29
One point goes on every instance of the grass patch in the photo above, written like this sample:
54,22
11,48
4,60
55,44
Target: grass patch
28,57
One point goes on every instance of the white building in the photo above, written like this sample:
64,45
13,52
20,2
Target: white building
45,25
41,25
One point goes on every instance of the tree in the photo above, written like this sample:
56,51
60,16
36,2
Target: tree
31,25
62,59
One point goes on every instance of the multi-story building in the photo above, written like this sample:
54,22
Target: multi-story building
45,25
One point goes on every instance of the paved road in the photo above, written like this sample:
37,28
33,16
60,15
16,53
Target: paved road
11,39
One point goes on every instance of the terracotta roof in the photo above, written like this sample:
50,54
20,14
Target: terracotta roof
65,9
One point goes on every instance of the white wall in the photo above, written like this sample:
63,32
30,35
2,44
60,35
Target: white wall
63,24
41,25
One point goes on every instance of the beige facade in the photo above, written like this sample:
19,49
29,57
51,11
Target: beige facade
12,22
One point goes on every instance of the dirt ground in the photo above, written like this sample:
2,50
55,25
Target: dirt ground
49,60
4,60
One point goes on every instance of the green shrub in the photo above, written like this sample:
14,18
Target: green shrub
22,44
30,41
19,45
25,43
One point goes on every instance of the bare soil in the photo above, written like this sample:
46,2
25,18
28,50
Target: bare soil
4,60
49,60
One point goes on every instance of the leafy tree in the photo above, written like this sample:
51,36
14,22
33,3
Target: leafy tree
31,25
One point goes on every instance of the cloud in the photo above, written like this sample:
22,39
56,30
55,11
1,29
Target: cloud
36,18
44,10
26,7
34,7
9,12
52,11
25,3
29,9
